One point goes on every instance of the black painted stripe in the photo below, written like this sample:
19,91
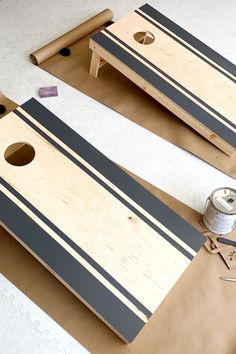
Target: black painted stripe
109,307
79,250
166,88
171,79
109,189
190,39
187,47
115,175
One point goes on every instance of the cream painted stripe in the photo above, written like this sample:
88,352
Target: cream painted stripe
187,44
74,254
110,184
170,82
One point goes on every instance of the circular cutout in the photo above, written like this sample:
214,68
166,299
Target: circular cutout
65,52
2,109
144,37
19,154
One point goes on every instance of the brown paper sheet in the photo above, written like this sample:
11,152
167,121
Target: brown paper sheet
6,105
116,91
197,316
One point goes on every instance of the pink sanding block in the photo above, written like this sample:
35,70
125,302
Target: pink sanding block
48,91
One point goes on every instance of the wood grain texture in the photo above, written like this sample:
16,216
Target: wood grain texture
111,242
182,73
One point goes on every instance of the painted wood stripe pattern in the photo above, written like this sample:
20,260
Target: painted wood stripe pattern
186,39
219,126
111,309
214,109
113,298
190,245
104,167
194,43
79,253
185,248
169,79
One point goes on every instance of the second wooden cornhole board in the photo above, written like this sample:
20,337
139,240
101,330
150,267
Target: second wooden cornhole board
178,70
118,248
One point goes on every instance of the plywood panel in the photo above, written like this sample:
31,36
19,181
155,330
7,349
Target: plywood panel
111,242
189,78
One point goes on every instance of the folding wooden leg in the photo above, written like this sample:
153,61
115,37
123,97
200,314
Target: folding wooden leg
94,64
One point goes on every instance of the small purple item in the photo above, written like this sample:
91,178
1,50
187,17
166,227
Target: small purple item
48,91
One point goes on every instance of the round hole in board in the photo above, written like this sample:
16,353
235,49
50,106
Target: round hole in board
19,154
144,37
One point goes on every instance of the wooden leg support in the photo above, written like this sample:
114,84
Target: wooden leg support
94,64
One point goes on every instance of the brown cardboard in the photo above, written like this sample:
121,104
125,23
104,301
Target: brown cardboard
117,92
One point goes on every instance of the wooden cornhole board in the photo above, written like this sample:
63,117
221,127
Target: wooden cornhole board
116,246
190,79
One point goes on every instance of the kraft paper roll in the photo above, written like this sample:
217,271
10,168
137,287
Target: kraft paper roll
71,37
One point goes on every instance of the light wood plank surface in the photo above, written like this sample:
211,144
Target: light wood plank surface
82,217
205,91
